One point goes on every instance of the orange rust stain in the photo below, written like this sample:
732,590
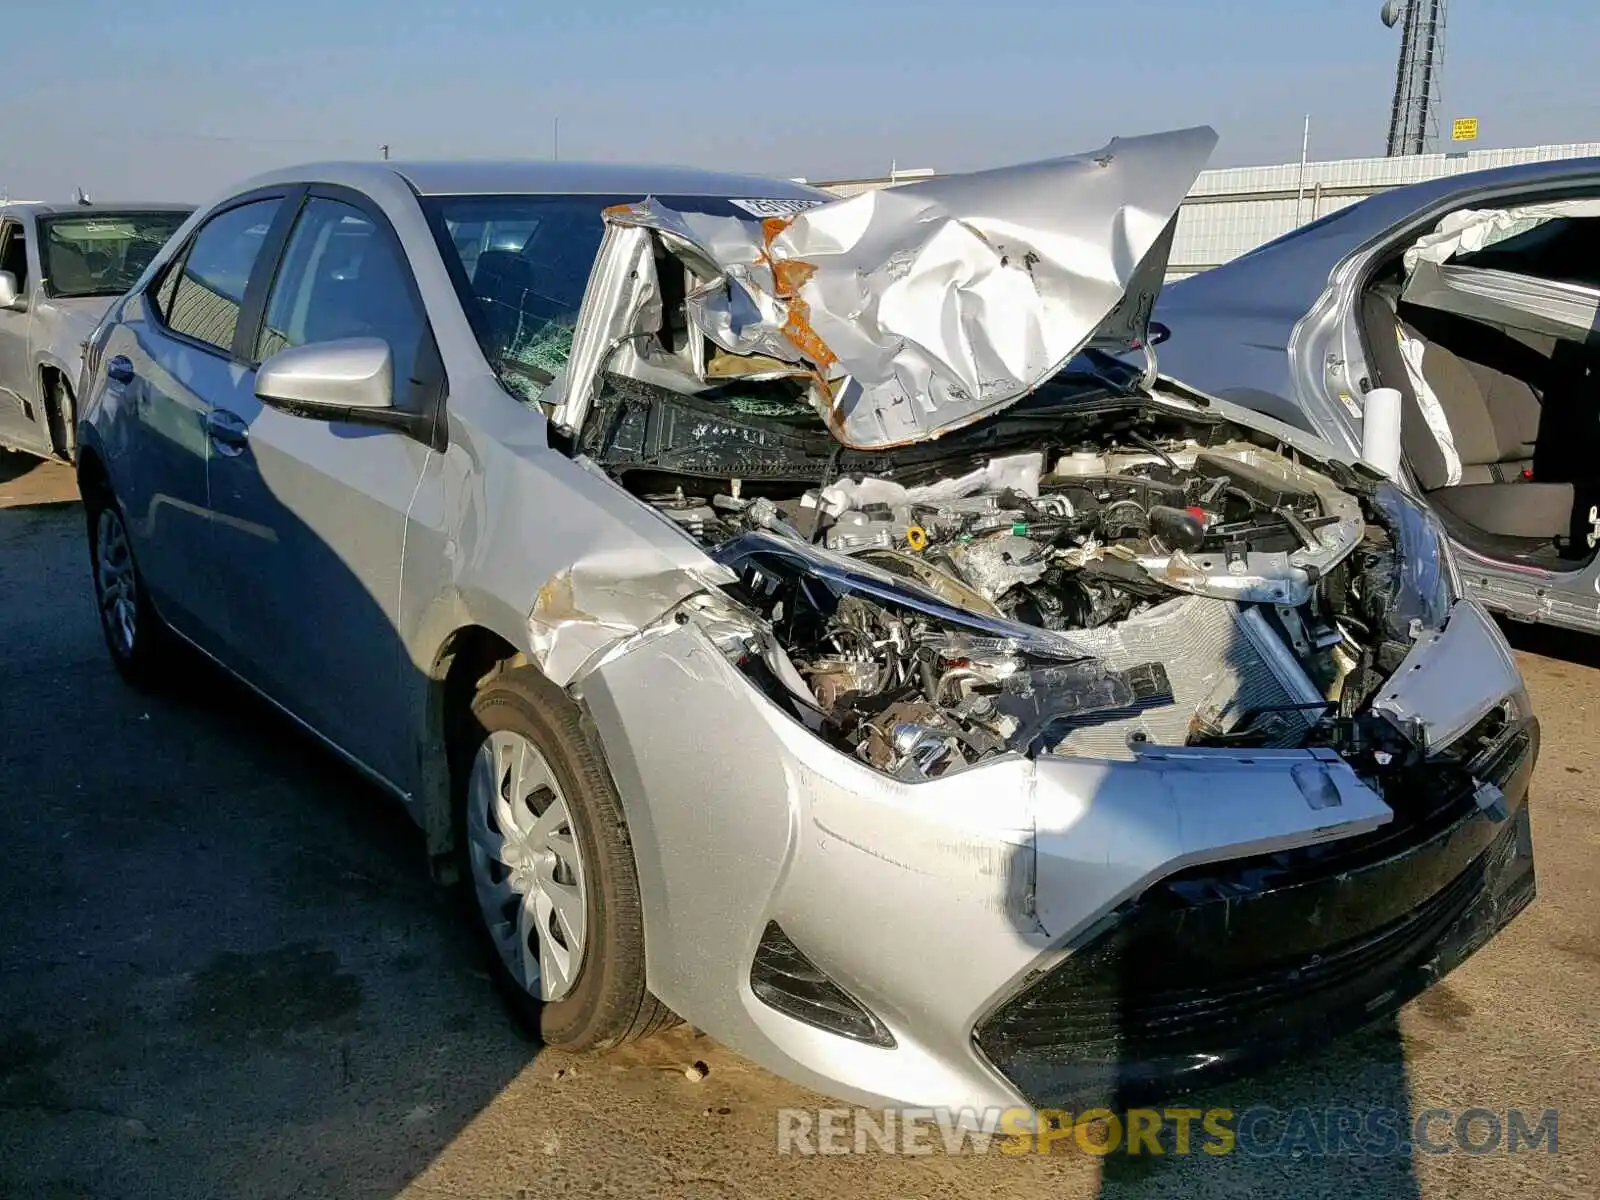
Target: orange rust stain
790,275
797,328
617,209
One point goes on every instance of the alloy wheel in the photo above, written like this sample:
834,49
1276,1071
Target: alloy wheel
527,868
116,582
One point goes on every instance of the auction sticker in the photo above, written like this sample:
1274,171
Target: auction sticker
765,207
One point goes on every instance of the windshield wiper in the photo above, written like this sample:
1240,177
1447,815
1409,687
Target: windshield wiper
535,374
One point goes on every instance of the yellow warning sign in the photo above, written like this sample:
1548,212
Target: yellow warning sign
1465,129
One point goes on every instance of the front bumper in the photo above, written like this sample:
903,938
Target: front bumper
965,914
1211,972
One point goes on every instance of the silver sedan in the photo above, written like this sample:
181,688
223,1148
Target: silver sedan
797,615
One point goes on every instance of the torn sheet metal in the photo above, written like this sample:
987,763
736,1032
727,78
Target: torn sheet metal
1451,678
913,310
588,609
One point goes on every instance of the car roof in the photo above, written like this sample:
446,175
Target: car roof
67,207
537,177
458,178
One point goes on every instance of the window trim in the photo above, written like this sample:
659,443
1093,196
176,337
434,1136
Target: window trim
426,422
271,247
9,228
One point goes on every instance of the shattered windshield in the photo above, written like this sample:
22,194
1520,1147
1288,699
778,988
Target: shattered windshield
103,254
521,264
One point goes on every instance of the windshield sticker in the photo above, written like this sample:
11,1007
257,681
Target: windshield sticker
775,208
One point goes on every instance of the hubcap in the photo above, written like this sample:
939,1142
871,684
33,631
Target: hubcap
114,581
526,867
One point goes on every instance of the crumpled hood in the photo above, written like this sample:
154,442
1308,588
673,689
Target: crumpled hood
918,309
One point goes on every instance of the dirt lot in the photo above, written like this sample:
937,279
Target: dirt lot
223,973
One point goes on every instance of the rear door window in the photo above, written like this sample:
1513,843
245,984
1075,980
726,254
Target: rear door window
207,289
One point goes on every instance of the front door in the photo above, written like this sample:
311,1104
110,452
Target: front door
310,515
21,419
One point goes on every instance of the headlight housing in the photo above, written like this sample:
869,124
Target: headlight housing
1426,582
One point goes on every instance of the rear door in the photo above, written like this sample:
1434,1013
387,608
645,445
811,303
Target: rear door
172,363
310,514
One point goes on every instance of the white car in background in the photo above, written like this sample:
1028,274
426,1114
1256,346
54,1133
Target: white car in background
61,266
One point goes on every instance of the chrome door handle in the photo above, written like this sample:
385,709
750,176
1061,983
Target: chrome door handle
227,431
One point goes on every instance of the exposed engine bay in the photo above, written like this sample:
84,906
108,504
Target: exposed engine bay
1144,581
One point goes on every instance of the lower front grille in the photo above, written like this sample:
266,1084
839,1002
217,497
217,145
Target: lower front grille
1202,976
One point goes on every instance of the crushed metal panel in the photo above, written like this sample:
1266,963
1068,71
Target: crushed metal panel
1179,806
1451,678
919,309
610,595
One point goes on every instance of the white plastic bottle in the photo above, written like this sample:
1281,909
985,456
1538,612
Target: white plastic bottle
1380,430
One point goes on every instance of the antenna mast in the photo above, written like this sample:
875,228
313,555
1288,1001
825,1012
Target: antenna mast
1414,115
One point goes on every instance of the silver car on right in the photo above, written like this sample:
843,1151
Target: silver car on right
1475,297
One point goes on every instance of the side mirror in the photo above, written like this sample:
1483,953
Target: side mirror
10,297
330,379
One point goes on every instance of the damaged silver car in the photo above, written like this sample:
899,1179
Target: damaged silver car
817,618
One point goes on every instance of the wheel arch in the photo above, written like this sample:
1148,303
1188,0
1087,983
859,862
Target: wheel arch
92,473
467,657
60,422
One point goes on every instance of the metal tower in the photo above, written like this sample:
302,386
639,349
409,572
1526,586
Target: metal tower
1414,116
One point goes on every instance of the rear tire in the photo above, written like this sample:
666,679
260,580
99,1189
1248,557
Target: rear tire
137,639
544,854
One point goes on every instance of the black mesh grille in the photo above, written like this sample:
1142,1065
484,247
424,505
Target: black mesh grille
1218,967
785,979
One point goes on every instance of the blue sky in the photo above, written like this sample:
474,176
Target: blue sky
177,98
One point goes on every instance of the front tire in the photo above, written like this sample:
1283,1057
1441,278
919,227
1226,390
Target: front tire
139,644
543,849
61,412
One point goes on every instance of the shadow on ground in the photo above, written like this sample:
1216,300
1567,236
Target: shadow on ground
226,970
1580,649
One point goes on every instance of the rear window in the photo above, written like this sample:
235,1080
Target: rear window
103,254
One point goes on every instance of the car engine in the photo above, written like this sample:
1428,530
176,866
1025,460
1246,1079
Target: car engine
1185,587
